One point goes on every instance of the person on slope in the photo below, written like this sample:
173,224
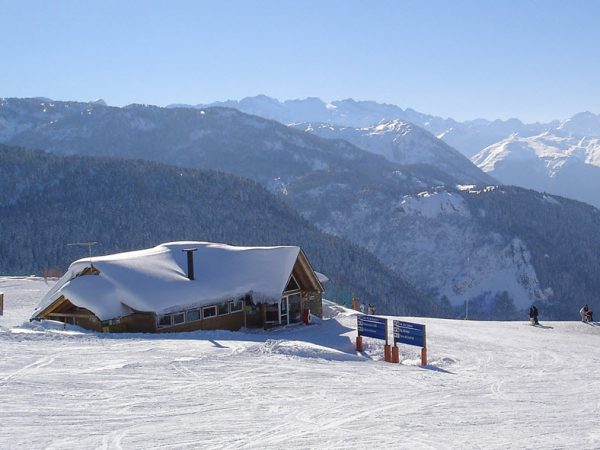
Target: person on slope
583,312
589,315
533,315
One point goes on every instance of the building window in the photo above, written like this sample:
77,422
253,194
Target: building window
209,311
223,309
236,306
164,321
193,315
178,318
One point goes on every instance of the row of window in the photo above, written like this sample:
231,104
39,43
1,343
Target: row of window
193,315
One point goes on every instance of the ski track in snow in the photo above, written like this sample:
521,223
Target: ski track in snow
489,385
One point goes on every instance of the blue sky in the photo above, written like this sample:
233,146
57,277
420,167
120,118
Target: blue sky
535,60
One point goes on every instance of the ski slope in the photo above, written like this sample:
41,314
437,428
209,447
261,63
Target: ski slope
489,385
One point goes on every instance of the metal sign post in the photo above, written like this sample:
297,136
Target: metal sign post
411,334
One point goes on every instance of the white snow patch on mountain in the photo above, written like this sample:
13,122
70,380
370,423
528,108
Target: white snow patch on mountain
432,205
481,264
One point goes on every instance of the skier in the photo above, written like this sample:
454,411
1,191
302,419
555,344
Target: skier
362,307
583,312
533,315
590,316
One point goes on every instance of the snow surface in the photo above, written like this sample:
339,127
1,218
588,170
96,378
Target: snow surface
155,279
488,385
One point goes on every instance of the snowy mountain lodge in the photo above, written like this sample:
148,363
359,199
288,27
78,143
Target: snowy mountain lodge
186,286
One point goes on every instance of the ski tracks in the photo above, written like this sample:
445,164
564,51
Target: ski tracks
32,367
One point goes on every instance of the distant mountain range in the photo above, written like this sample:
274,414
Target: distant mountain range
557,157
468,137
501,248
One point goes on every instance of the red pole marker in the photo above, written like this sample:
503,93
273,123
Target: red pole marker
395,355
424,356
388,353
359,344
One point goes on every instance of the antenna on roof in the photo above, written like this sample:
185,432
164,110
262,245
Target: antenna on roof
81,244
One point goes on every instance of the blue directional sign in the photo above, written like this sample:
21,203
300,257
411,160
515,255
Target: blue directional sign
371,326
409,333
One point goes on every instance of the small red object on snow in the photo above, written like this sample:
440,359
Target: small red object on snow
306,316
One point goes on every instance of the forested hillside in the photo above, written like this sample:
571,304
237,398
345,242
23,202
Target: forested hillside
47,201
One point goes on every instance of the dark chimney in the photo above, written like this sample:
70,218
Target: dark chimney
190,261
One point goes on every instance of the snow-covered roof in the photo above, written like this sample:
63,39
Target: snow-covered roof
155,279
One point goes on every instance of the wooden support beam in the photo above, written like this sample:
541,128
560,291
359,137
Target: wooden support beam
76,316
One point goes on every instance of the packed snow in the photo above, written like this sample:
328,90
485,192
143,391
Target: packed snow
488,385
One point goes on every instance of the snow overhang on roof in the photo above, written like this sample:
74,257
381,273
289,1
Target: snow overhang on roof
322,278
155,280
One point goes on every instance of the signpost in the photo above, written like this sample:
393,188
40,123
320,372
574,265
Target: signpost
404,333
411,334
1,303
373,327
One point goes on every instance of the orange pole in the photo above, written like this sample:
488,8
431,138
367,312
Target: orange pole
359,344
424,356
395,354
388,352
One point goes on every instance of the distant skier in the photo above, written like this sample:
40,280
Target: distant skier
371,309
362,307
590,315
533,315
583,312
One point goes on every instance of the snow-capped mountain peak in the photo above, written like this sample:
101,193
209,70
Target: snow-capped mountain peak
404,143
582,124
